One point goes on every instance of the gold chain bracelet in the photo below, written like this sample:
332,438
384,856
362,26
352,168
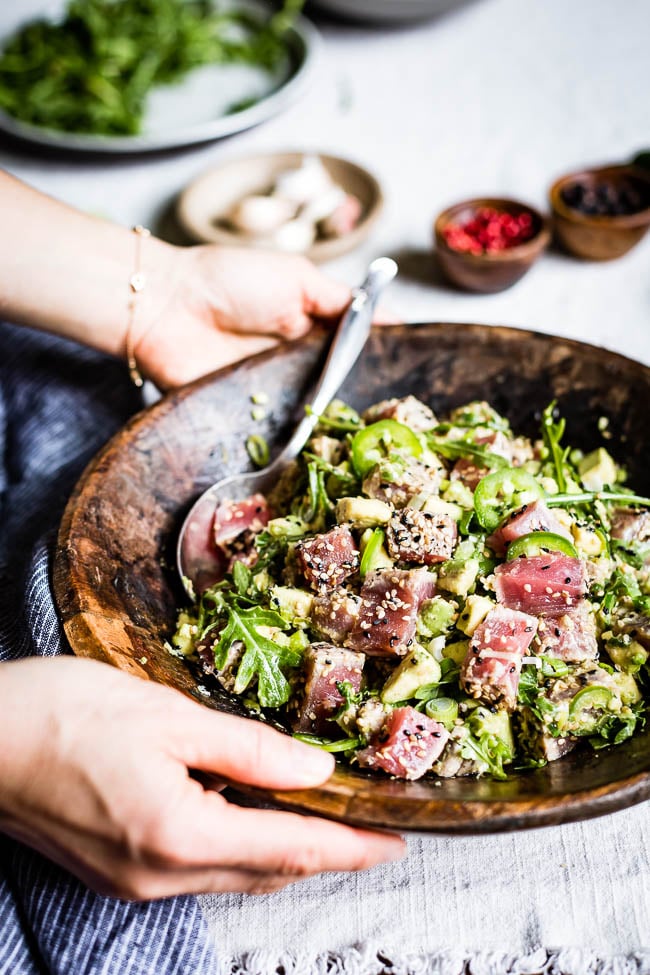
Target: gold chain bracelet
137,283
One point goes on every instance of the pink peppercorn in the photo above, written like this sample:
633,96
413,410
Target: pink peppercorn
489,230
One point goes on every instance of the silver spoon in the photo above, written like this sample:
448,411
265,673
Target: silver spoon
196,557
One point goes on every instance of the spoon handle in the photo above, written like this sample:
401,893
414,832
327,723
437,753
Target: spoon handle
349,339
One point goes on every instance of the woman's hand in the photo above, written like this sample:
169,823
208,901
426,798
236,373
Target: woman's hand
96,778
222,304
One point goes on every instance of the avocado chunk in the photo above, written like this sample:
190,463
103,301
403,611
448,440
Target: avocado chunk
363,512
629,658
456,651
418,668
474,612
291,603
184,637
436,506
597,470
459,493
436,617
458,576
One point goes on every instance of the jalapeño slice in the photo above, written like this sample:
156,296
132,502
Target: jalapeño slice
539,543
498,494
377,441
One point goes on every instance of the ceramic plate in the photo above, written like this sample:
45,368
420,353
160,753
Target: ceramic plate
197,109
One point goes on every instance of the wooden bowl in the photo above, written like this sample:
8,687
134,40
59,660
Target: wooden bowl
487,273
599,238
117,590
201,207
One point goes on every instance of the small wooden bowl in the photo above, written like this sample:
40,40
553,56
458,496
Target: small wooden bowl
599,238
488,273
201,205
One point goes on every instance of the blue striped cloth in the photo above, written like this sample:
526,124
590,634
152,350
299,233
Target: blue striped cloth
58,404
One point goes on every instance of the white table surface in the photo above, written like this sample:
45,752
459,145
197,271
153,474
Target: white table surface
498,97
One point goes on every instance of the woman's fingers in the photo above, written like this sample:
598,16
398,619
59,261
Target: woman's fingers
282,843
247,751
323,297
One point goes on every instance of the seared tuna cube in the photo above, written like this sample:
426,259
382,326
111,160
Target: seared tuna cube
569,637
327,560
410,411
490,671
544,585
406,746
534,517
468,472
390,600
325,667
420,536
335,612
630,525
398,479
232,519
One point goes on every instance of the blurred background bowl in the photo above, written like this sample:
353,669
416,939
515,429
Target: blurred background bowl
202,206
495,270
600,237
388,11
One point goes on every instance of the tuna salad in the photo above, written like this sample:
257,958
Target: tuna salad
434,596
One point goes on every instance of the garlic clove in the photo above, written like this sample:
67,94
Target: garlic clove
260,215
295,236
303,185
323,205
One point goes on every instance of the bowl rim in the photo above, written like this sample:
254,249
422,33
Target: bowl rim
338,798
627,221
319,251
532,248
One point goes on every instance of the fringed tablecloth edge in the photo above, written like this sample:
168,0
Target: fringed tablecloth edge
371,960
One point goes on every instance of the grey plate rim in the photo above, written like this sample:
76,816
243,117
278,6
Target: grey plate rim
305,42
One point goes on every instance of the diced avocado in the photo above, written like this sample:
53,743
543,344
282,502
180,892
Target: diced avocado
456,651
291,603
587,539
418,668
275,634
289,527
298,641
626,687
458,576
597,470
436,506
474,612
375,557
363,512
459,493
436,616
262,580
183,638
628,658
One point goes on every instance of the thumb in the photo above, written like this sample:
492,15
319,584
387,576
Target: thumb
323,297
244,750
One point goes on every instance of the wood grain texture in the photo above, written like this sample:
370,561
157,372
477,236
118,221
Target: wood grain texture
115,581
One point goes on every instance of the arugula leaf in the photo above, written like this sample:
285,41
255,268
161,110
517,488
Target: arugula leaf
552,434
615,728
455,449
262,658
